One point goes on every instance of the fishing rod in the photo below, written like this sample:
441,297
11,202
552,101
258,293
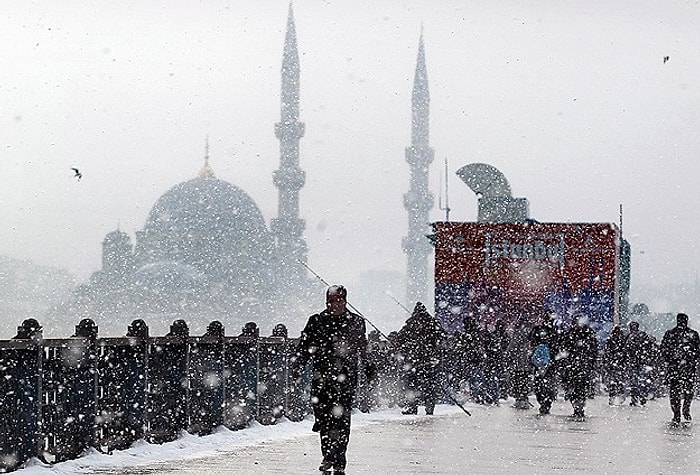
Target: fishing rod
397,302
456,403
352,307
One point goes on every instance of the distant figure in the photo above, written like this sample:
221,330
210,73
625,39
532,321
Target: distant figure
639,355
468,348
334,342
419,344
615,365
680,349
76,173
666,58
517,359
579,350
544,343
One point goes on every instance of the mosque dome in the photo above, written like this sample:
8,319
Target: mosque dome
210,224
208,204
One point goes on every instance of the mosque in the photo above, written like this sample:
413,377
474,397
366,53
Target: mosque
205,249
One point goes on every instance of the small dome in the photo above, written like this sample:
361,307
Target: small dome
116,236
168,278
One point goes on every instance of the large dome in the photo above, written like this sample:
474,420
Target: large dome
208,223
206,203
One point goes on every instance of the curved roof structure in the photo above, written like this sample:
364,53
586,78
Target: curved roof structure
208,223
485,180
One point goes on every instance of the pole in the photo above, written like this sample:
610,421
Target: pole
456,403
398,303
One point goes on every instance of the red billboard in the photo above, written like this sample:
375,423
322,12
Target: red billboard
491,271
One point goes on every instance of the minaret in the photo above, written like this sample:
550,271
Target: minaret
289,178
419,200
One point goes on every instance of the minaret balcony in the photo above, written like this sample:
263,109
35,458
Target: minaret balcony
418,244
419,155
289,179
289,130
290,227
418,202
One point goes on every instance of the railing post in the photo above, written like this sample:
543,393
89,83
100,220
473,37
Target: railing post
168,384
241,378
206,375
20,386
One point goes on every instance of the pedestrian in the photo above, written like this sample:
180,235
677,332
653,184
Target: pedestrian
578,353
543,340
334,342
517,359
680,349
493,365
615,365
419,344
469,349
639,349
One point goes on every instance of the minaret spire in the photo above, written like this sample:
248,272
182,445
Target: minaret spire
419,200
290,178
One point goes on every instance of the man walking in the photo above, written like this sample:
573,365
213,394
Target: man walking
419,344
579,350
680,348
639,351
334,342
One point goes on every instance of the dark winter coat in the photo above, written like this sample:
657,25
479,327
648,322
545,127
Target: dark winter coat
469,345
577,358
639,349
680,349
420,341
614,352
336,346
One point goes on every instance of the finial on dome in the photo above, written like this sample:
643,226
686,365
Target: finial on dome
206,171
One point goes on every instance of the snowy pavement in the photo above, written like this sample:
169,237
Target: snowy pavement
620,439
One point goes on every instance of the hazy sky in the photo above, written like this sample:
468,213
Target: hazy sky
571,100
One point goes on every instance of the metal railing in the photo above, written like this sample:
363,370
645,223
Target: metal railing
62,396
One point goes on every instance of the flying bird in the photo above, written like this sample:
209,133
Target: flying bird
78,175
666,58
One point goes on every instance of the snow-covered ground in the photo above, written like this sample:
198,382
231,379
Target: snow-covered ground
612,439
190,447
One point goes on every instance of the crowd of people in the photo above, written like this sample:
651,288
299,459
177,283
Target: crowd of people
422,364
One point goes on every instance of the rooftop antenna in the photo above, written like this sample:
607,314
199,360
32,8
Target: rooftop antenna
620,219
446,208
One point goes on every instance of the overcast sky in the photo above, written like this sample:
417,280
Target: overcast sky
571,100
